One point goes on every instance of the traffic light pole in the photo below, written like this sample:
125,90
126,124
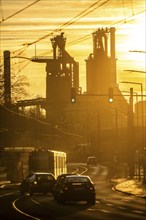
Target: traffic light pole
131,143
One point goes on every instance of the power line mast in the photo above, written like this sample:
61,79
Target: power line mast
131,147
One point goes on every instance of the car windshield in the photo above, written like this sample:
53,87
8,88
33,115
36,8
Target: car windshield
92,158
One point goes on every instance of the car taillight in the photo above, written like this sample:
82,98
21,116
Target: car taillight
91,188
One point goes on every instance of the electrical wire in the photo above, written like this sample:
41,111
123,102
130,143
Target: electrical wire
66,24
1,10
122,21
132,7
25,116
39,121
86,37
4,19
71,21
80,15
116,24
124,11
83,14
21,50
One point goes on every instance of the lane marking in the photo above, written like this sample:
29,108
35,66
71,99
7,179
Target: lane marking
35,201
109,204
21,212
8,194
139,212
105,211
121,207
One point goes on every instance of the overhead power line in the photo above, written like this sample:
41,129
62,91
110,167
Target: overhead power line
84,13
4,19
80,14
71,21
88,10
86,37
137,51
124,11
135,71
39,121
77,17
132,7
1,9
123,21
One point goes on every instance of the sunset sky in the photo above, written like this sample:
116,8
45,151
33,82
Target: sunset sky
26,25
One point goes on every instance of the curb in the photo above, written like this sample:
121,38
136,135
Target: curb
128,193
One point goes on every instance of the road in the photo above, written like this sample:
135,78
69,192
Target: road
110,204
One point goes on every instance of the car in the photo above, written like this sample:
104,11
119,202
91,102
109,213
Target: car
59,182
38,182
76,188
91,161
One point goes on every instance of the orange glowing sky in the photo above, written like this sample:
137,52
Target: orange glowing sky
21,26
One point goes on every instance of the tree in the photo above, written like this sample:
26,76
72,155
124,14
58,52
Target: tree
19,83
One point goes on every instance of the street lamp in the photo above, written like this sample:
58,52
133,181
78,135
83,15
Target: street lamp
142,117
136,102
142,109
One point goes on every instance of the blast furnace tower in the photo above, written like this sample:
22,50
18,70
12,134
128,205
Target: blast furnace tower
62,73
101,64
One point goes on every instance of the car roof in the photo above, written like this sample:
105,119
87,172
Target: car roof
67,174
42,173
92,157
78,176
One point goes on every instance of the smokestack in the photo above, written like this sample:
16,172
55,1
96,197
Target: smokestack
7,79
113,57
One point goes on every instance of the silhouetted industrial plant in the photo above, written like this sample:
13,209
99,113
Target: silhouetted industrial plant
99,121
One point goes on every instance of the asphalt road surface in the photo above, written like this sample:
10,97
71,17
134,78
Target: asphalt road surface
110,204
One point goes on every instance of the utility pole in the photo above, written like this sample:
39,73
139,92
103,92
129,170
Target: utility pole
131,135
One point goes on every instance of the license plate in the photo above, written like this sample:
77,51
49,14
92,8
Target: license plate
78,188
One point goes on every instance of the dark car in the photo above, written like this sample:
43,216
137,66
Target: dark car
59,182
38,182
76,188
91,161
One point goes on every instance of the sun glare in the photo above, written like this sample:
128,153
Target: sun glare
132,44
138,34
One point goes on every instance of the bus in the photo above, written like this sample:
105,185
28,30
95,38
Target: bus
16,163
48,161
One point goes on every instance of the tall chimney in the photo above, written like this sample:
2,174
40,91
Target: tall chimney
113,57
7,79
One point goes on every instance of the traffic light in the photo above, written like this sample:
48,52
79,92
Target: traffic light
73,95
110,95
